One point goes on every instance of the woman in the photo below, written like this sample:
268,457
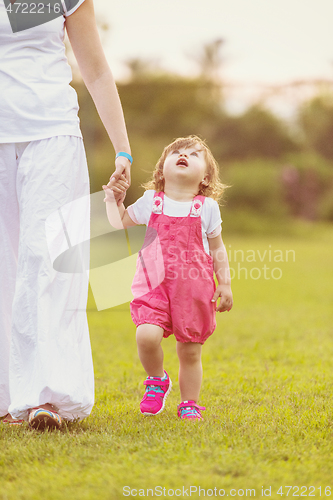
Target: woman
46,371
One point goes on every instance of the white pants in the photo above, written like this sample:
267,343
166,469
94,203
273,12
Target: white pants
45,354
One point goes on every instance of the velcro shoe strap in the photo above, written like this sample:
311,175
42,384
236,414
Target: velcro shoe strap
191,404
160,383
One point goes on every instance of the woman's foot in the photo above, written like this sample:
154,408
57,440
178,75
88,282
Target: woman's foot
44,417
9,420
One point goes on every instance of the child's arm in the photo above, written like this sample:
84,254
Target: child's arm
222,271
117,214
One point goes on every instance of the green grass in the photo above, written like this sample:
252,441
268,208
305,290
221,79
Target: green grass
267,388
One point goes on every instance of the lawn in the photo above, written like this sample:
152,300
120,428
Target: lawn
267,389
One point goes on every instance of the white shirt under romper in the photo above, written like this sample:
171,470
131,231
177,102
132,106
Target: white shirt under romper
36,101
140,213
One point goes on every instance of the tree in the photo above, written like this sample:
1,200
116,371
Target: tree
142,69
316,122
257,133
166,105
210,60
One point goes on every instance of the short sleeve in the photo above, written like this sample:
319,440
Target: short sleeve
140,211
216,232
70,6
213,218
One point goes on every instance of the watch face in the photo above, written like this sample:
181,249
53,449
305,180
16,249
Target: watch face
28,14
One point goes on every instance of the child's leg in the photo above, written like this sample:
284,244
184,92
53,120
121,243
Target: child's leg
158,383
148,339
190,370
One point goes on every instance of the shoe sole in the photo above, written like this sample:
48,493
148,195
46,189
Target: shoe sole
191,418
6,422
163,405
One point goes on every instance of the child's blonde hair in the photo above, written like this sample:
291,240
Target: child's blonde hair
213,189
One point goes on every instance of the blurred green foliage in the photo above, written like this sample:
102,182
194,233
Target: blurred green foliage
255,185
275,172
316,121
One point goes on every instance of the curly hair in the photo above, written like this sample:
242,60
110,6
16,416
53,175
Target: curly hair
213,189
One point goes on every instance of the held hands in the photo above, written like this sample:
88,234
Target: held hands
226,302
122,172
116,189
123,167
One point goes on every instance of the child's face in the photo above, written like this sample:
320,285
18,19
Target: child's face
186,163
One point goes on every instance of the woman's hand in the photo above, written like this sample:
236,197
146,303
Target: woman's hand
123,167
123,174
225,294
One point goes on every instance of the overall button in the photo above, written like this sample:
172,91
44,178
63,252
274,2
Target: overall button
172,237
173,222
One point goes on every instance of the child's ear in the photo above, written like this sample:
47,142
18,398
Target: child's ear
205,181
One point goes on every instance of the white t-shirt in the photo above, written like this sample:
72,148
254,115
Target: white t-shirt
141,210
36,101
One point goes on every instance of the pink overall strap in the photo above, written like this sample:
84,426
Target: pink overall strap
158,203
157,209
197,205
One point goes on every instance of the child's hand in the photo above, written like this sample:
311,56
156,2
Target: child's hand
226,302
116,189
109,196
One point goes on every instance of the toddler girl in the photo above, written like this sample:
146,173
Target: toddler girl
174,288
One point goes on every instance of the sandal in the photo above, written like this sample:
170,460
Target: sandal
42,419
9,420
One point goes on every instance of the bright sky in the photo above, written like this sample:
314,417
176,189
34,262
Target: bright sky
267,41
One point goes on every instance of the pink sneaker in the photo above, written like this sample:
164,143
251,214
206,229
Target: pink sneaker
157,390
190,410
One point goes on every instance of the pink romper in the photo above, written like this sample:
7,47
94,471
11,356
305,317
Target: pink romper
174,280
